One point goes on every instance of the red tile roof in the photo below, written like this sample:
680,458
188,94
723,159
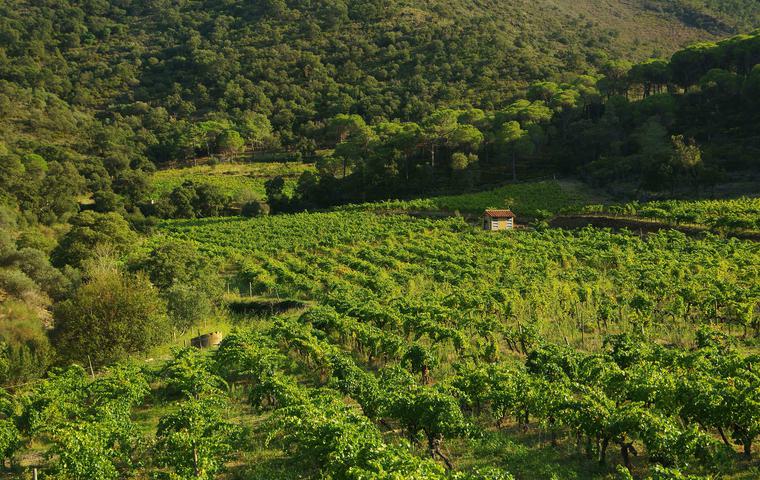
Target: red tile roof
500,213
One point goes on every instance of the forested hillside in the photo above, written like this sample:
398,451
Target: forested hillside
301,61
111,88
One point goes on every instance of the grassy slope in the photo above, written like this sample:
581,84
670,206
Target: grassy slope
642,27
239,181
644,30
525,199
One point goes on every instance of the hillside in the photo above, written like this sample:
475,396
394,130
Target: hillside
111,89
300,62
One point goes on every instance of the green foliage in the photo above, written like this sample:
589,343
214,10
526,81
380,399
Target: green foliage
424,293
523,198
90,230
422,327
87,421
174,261
10,436
230,142
194,441
254,209
707,103
188,305
189,374
113,315
738,214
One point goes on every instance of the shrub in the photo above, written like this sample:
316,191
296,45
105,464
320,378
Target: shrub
254,209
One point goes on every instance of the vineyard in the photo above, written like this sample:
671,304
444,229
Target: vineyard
451,342
428,349
738,214
238,181
564,283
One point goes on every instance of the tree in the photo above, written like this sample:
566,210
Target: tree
209,200
254,208
113,315
229,143
655,154
183,200
205,134
172,261
276,197
652,75
133,185
464,168
515,139
543,91
353,138
686,158
615,81
438,127
61,186
751,88
688,65
307,188
526,112
255,129
187,306
90,230
107,201
720,83
342,126
465,137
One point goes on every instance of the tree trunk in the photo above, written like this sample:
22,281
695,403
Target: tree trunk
514,167
195,462
748,448
723,436
434,444
603,451
626,457
552,431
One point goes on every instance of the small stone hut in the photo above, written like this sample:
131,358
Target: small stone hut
498,220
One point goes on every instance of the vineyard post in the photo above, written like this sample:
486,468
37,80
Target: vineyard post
92,372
